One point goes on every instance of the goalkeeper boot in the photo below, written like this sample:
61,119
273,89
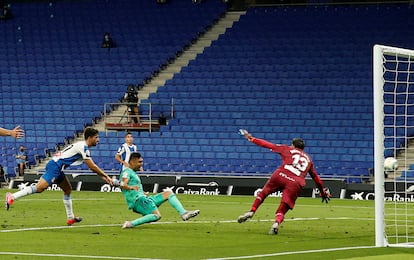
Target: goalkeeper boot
190,214
9,200
127,224
274,229
245,216
74,220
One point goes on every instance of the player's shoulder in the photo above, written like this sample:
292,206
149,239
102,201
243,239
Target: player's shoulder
308,157
130,174
128,171
80,145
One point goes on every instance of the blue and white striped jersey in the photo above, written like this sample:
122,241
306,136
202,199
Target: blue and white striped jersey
125,151
73,154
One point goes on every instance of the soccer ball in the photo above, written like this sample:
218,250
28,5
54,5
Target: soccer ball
390,164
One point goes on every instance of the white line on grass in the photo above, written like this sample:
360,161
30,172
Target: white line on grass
77,256
176,222
292,253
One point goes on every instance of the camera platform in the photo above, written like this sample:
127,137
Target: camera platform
144,126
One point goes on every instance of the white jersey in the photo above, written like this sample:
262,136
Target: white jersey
125,151
73,154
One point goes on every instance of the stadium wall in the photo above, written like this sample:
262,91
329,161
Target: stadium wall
218,185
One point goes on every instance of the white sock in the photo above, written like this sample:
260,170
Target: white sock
24,192
67,201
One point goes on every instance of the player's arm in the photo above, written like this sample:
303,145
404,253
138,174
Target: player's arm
258,141
95,168
124,185
15,133
324,193
119,159
265,144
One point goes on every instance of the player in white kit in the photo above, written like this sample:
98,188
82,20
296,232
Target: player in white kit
74,154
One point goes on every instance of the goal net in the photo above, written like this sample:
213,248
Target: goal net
394,137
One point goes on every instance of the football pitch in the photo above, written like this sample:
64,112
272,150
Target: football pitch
35,228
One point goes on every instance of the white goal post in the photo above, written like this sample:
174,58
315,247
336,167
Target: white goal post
393,89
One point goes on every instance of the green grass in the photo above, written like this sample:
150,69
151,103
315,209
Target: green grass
213,234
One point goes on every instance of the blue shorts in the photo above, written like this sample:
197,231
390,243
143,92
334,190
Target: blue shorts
54,173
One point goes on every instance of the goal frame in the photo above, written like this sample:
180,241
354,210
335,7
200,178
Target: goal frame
378,94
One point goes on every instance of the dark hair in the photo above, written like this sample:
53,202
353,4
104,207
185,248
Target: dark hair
128,133
89,132
298,143
135,155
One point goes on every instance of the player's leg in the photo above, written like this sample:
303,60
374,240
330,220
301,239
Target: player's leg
289,196
271,186
65,185
175,203
41,185
146,207
153,217
21,169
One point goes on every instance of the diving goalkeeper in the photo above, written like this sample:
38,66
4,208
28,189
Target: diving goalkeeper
140,203
288,178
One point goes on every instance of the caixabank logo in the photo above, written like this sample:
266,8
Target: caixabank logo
195,190
395,197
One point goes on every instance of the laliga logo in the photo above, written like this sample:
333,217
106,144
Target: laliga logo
109,188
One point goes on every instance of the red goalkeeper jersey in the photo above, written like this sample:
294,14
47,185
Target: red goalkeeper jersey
296,163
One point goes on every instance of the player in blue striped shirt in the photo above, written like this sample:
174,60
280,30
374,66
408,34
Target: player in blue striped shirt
125,150
74,154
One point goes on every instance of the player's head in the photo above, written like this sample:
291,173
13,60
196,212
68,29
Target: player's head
298,143
91,136
135,161
129,138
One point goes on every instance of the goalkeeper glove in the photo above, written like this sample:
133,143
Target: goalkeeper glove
325,194
246,134
243,132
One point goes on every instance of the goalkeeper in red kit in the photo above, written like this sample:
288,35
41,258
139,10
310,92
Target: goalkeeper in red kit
289,178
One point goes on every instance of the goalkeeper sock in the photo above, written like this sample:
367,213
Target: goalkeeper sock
24,192
176,204
279,217
145,219
257,202
281,211
67,202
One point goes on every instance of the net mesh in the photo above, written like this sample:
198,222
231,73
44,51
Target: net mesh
398,76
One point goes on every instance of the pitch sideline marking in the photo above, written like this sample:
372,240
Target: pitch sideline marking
78,256
174,222
293,253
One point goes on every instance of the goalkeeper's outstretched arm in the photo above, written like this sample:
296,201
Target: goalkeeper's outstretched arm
258,141
323,191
